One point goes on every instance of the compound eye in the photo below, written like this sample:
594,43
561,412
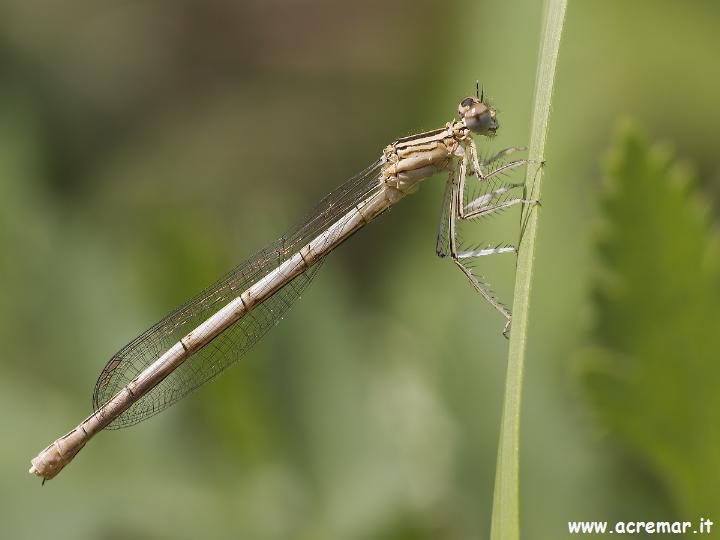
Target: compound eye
480,122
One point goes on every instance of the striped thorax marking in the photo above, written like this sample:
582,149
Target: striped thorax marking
412,159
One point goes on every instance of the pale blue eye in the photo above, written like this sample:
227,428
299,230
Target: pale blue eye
479,123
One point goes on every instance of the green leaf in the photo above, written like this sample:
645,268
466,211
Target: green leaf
654,377
505,522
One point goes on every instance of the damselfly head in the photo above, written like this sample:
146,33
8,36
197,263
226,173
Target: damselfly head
478,116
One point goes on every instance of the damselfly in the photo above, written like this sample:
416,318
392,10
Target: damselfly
204,336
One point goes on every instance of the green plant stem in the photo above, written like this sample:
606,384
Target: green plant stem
506,515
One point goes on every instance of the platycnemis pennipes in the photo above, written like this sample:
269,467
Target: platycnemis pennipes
197,341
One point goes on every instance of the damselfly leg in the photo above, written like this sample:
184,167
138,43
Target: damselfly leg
455,208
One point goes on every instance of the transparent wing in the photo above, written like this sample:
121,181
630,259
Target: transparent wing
442,243
226,348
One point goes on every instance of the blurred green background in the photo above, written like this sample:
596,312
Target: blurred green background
148,147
